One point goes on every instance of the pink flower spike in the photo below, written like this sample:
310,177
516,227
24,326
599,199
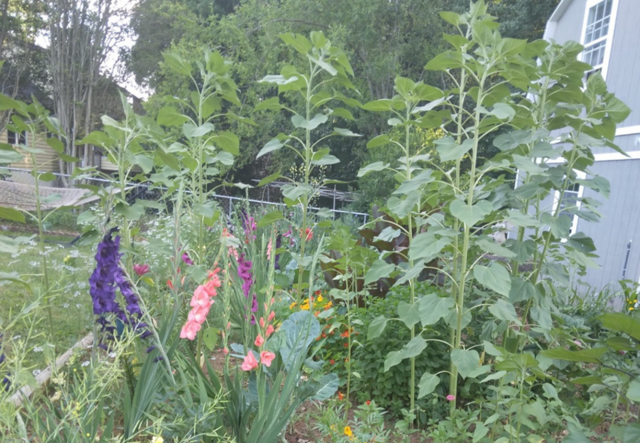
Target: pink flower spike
269,330
225,351
267,357
250,363
259,341
262,322
140,269
269,248
271,316
451,397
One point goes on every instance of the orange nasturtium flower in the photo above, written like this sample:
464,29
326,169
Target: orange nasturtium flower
347,431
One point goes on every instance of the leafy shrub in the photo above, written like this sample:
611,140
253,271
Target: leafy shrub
391,389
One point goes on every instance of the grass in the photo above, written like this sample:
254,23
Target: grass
69,271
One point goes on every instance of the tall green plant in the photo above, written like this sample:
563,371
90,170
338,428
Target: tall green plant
327,69
531,94
34,121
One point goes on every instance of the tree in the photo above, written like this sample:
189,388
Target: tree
24,71
81,33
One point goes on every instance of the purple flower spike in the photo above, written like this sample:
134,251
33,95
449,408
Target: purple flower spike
244,272
105,279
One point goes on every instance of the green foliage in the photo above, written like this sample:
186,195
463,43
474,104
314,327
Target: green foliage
391,388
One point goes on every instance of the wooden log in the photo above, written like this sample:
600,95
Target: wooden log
26,391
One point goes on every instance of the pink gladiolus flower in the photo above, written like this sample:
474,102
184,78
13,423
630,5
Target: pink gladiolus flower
269,330
140,269
269,248
200,305
259,341
267,357
249,362
271,316
225,351
451,397
189,330
261,322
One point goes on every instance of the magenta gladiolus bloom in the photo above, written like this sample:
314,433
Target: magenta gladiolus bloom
451,397
140,269
186,259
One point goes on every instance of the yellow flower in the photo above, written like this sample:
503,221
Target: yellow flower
631,308
304,306
292,305
347,431
157,439
320,298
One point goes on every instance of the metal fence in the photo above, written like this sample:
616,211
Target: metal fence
146,191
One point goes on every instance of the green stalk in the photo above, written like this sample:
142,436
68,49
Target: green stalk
456,222
412,288
45,271
453,387
307,174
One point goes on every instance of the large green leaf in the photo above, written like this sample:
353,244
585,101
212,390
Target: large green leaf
9,155
586,355
402,207
373,167
228,141
408,314
466,361
428,383
470,215
503,310
412,349
376,327
449,150
326,387
168,116
270,218
270,104
633,392
427,245
433,307
632,433
621,323
11,214
273,145
494,277
379,269
380,140
300,122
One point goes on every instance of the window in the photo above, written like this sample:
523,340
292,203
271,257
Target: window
598,33
14,138
570,202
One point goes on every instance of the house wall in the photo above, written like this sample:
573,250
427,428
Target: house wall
619,224
620,221
624,65
46,160
569,26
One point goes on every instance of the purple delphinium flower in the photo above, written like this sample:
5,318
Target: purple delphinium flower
244,272
105,279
